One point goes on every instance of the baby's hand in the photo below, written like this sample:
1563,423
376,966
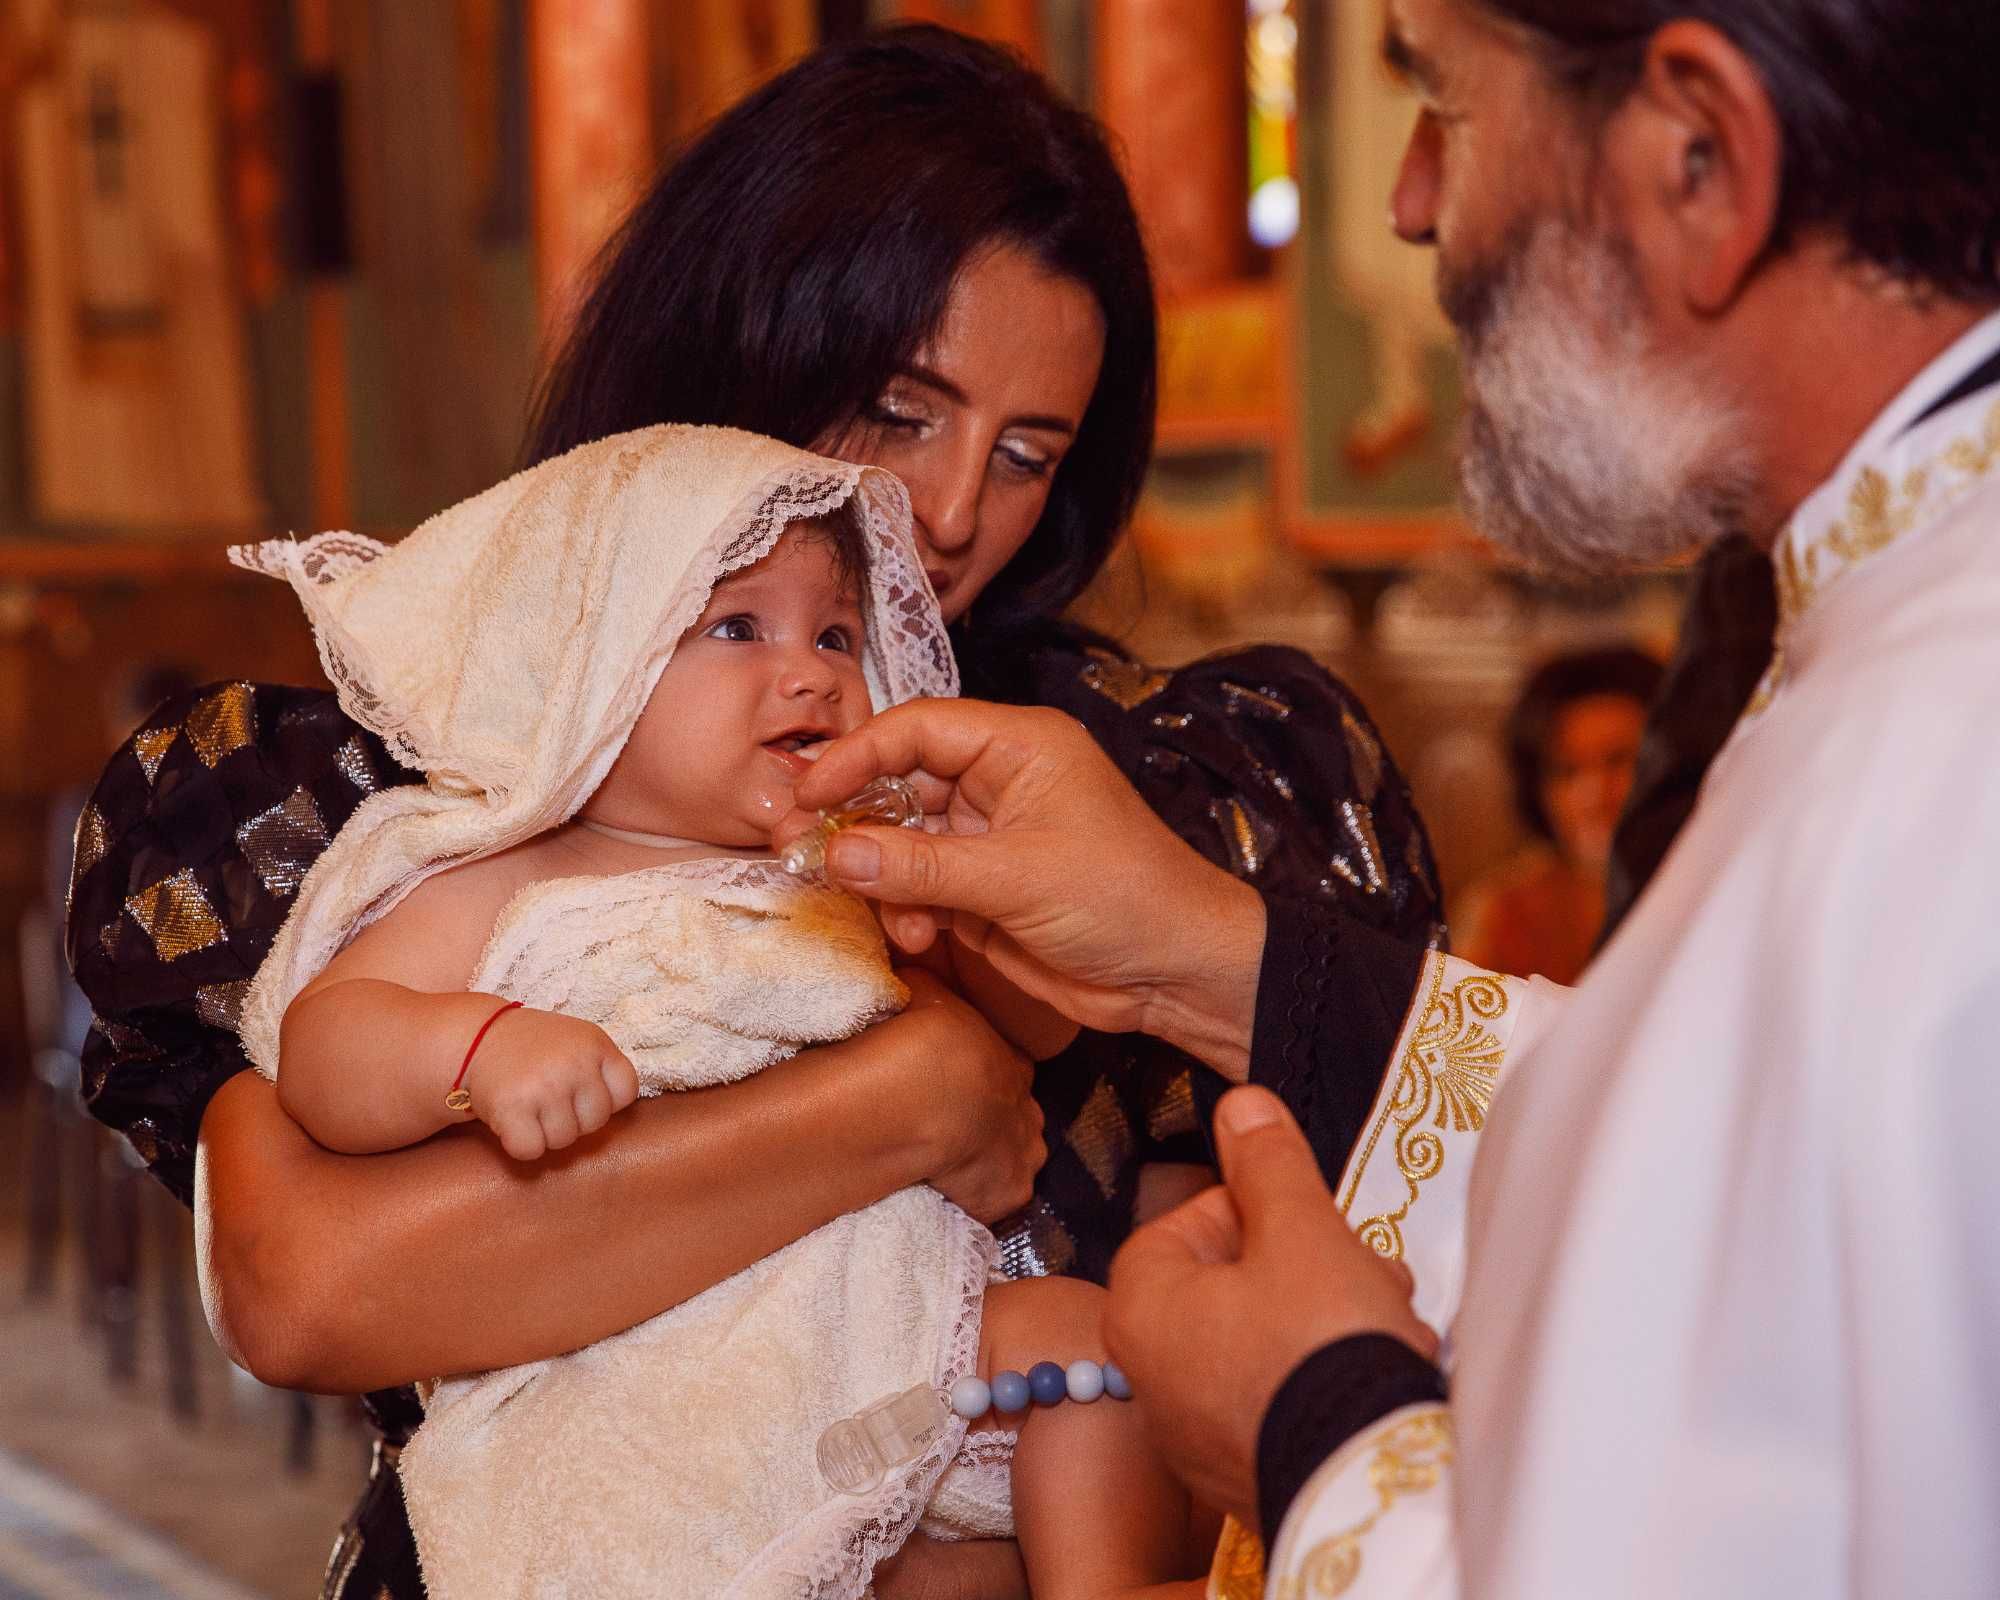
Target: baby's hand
542,1080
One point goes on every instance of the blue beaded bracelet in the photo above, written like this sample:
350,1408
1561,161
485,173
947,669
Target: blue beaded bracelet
1044,1384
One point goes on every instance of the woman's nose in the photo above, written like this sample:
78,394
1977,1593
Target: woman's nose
944,496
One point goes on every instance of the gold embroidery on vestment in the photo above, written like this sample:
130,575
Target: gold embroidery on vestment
1878,514
1411,1458
1444,1081
1237,1570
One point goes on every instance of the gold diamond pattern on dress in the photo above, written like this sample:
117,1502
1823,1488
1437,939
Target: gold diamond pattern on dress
1360,823
1101,1137
93,838
1275,780
1446,1080
1127,684
176,914
1245,835
355,767
111,937
1035,1244
151,747
129,1042
283,842
1172,1110
221,1004
1265,703
221,723
1364,753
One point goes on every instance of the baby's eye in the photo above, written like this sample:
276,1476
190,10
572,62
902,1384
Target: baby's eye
735,630
837,639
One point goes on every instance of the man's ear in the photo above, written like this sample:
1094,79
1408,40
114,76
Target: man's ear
1700,151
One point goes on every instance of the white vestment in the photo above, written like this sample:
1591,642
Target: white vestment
1732,1263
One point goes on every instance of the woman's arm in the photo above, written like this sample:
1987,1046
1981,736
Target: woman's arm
347,1273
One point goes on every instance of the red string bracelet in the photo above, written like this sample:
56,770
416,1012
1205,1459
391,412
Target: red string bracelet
460,1099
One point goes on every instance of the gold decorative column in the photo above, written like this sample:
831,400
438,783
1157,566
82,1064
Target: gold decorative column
591,134
1169,77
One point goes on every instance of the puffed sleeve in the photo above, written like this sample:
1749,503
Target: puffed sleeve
188,854
1269,766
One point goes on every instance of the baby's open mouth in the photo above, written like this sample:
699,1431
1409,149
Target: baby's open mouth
804,746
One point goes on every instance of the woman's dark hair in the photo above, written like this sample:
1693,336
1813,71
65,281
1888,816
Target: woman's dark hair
1553,687
1891,123
803,249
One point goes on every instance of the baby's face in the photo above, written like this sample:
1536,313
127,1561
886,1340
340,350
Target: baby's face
772,669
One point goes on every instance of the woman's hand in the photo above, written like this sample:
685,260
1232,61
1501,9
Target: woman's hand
1040,856
345,1273
989,1144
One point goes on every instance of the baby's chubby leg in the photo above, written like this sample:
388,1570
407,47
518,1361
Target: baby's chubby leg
1096,1512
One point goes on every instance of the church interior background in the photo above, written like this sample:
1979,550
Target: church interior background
285,265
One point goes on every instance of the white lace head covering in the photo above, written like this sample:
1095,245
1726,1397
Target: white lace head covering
507,646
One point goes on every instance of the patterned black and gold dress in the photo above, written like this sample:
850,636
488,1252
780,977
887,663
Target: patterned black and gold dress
206,820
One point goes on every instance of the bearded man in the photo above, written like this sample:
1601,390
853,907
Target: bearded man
1730,1273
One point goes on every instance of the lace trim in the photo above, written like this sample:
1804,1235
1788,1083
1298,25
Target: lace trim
990,1447
834,1556
908,653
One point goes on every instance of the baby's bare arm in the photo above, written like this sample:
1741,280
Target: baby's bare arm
1036,1029
369,1049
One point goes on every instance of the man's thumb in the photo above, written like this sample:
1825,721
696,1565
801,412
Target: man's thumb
1266,1161
903,867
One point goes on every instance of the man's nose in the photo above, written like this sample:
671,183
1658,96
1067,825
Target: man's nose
1413,202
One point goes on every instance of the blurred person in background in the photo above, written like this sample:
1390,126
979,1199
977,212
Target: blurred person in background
1573,742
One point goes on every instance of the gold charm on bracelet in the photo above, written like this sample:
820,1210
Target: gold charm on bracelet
458,1100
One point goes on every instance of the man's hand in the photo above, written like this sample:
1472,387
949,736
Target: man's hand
1215,1304
1042,858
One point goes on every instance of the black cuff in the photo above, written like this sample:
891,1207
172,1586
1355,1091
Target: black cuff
1331,1396
1332,997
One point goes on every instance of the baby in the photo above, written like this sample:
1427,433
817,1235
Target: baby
612,669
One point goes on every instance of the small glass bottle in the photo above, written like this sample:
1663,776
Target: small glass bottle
885,803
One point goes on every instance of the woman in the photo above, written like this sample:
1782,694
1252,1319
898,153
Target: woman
908,252
1572,747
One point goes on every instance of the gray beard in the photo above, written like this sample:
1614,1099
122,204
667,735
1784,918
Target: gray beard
1581,451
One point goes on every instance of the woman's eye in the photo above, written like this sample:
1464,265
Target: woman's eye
837,639
1027,463
735,630
900,418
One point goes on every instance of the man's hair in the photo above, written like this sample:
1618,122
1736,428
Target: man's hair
1890,118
